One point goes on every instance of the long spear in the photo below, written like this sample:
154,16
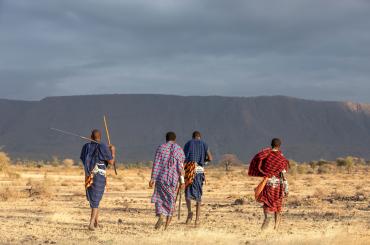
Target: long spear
108,136
73,134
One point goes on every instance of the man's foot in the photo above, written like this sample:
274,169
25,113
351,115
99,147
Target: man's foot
266,221
96,225
91,227
168,222
197,223
277,221
189,218
159,223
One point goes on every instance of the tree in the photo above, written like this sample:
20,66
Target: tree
228,160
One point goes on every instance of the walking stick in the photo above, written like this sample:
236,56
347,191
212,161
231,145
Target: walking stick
108,136
179,213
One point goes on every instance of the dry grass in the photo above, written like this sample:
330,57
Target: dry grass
45,206
41,188
9,194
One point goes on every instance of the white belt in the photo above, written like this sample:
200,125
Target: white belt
97,170
274,182
199,169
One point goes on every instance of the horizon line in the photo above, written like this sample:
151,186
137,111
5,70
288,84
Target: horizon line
184,96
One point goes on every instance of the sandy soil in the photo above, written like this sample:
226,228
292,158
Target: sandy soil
48,206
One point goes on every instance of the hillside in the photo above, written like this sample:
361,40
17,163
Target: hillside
309,129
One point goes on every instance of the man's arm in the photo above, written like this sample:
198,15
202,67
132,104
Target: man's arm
112,149
209,156
260,167
155,168
180,168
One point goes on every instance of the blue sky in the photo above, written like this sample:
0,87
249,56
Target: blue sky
315,49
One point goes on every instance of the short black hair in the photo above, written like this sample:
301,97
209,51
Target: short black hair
275,143
170,136
95,133
196,134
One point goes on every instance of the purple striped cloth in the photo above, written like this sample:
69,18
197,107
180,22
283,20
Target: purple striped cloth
167,168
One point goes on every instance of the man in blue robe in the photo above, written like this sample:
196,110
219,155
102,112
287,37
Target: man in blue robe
95,157
197,154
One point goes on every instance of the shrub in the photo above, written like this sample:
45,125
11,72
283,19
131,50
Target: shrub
326,169
55,161
293,167
313,164
7,194
41,189
4,162
304,169
349,164
68,163
341,162
322,162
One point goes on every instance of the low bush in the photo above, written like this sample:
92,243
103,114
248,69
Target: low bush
68,163
7,194
42,189
326,169
4,162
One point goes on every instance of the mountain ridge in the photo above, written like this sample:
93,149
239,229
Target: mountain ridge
241,125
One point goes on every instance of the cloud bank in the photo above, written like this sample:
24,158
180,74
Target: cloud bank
316,49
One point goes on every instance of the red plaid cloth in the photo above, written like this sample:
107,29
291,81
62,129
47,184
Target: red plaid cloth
269,163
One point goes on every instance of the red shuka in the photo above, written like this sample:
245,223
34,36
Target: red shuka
269,163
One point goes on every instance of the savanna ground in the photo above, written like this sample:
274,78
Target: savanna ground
47,205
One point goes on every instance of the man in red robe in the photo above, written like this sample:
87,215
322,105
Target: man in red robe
271,164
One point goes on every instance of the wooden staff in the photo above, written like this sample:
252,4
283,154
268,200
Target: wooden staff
108,136
177,196
179,213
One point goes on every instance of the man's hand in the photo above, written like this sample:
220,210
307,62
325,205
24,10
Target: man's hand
182,186
112,148
151,183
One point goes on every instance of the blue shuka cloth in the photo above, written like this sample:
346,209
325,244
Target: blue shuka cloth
95,154
196,151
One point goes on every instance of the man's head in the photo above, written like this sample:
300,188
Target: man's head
170,136
276,143
197,135
96,135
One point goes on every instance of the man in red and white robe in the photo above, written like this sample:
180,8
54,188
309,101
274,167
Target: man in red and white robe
270,163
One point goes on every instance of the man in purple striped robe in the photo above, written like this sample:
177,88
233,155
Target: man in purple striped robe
167,171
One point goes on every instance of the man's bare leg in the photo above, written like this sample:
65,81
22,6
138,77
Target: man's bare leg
190,213
267,220
94,212
159,223
96,223
197,218
168,222
277,220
